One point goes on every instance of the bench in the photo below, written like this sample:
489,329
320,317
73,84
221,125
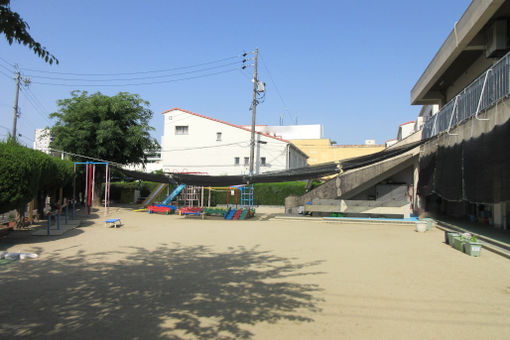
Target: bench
113,222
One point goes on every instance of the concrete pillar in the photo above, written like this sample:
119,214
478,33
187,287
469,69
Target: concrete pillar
417,209
500,213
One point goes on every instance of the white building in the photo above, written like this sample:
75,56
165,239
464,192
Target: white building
194,143
42,140
405,130
311,131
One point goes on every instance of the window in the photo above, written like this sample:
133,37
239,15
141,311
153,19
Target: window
218,136
246,160
262,161
181,130
236,160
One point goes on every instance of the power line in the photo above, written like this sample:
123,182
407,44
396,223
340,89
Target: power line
34,105
136,78
274,84
5,68
137,84
138,72
6,75
204,147
27,138
37,101
8,63
87,157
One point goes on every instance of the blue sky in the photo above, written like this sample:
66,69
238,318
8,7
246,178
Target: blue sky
348,65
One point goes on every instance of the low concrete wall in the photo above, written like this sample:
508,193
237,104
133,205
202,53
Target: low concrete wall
360,207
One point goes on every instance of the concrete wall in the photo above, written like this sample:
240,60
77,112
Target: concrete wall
360,183
200,151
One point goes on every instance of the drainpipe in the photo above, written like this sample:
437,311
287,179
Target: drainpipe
288,156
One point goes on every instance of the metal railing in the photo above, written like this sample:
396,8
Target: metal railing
482,93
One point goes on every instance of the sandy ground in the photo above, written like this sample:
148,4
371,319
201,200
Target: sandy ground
172,277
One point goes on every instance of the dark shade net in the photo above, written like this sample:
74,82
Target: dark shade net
477,170
427,170
147,177
448,176
358,162
296,174
487,166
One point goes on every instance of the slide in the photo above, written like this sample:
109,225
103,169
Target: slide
155,193
174,194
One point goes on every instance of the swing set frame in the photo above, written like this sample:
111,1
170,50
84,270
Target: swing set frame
90,174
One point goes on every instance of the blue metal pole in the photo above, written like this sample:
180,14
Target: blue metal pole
49,223
58,220
72,212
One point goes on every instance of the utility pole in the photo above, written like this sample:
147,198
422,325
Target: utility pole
15,118
254,109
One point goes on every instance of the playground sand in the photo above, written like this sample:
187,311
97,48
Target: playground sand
173,277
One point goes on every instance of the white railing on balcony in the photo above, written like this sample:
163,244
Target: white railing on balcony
489,88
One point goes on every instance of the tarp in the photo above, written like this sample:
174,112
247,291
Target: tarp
296,174
159,178
476,170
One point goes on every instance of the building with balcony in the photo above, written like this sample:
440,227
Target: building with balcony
464,167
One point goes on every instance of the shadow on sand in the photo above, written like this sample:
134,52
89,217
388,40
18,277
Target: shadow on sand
172,292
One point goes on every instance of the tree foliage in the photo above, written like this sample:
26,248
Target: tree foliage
25,172
113,128
16,29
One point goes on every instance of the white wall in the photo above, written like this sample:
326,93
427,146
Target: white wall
312,131
199,151
405,130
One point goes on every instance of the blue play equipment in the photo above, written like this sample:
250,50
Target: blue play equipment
229,214
247,196
174,194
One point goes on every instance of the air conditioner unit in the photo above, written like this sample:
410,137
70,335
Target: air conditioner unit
497,39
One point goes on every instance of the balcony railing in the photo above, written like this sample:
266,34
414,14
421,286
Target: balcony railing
484,92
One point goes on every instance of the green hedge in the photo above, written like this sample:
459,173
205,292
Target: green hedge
24,173
263,193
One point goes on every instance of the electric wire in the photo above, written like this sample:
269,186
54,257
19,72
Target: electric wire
37,101
138,72
138,84
27,138
136,78
241,143
87,157
7,62
6,75
34,105
6,68
274,83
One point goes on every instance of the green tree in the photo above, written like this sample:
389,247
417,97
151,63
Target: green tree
26,174
16,29
113,128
